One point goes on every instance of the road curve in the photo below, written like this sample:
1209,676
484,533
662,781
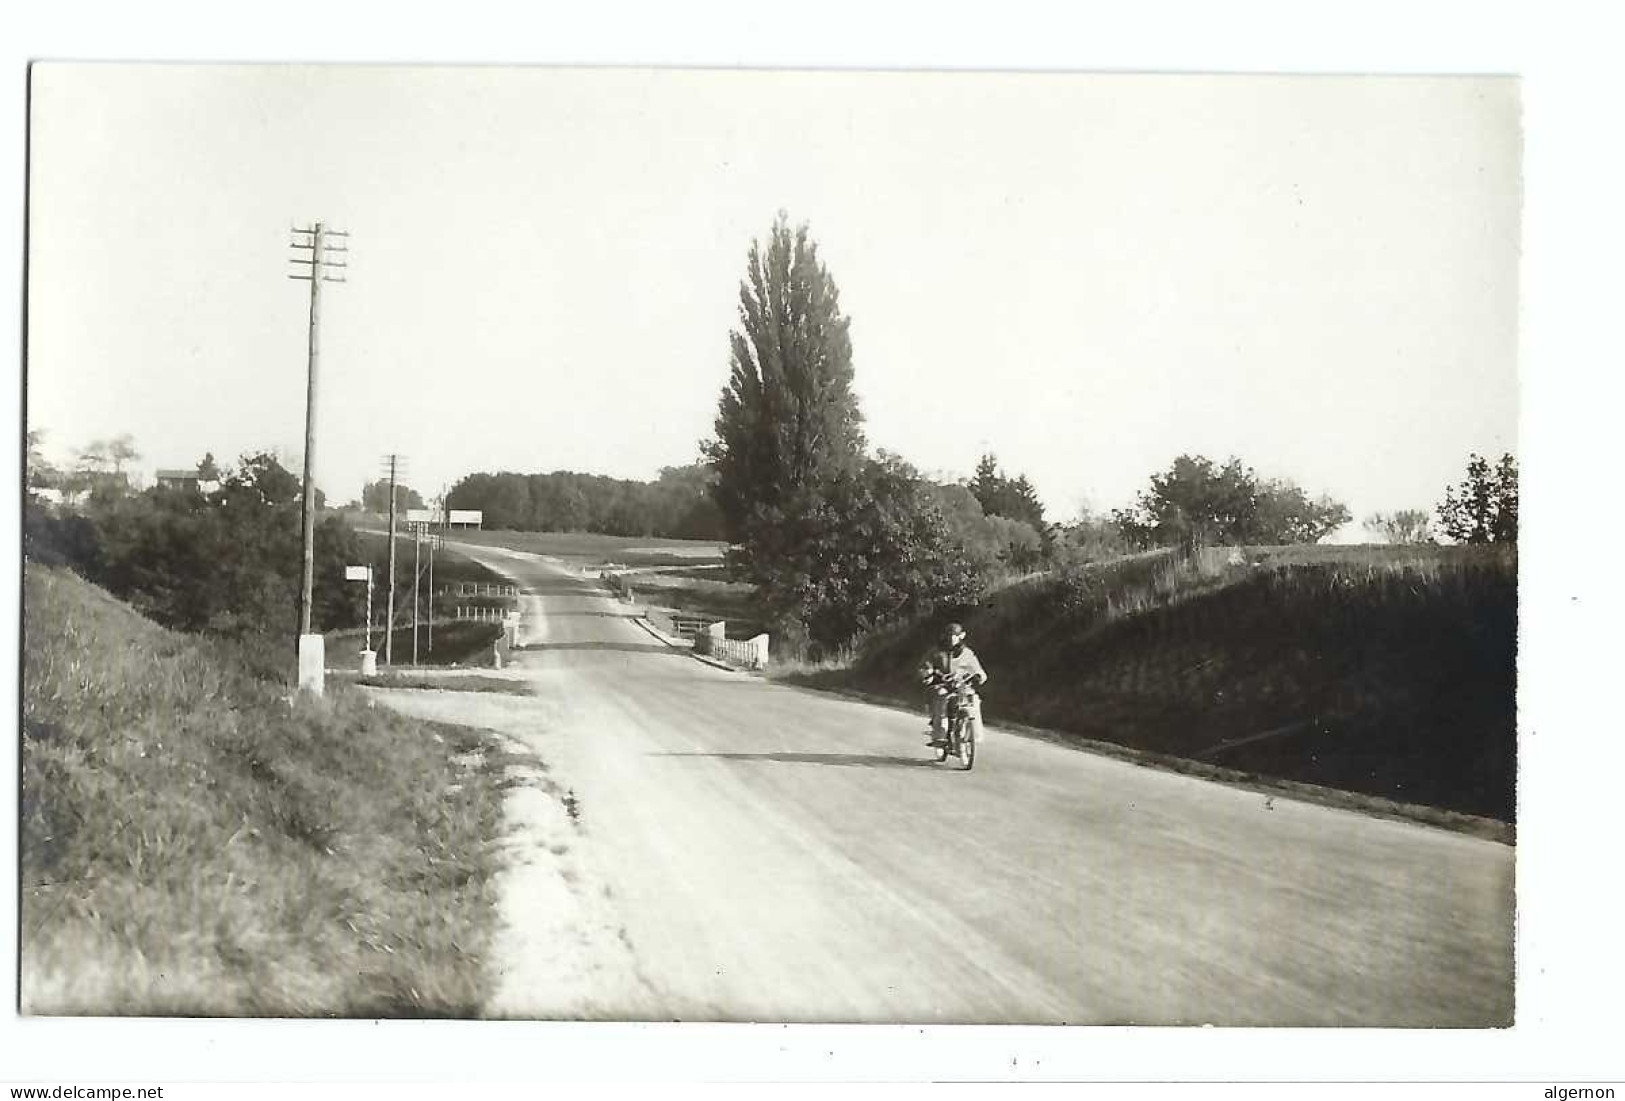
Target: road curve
773,854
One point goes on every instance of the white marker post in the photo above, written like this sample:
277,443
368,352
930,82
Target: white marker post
369,658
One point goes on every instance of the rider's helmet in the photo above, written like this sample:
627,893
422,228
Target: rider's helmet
953,637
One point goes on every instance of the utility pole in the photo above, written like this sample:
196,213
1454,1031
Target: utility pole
434,543
322,268
389,621
417,572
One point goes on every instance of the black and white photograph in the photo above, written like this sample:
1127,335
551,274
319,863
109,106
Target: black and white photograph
525,544
799,547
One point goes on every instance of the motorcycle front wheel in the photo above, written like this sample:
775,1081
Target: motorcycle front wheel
967,747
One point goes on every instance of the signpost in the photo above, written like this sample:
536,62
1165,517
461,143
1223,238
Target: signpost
369,658
454,518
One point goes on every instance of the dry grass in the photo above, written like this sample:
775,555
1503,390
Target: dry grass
431,683
194,843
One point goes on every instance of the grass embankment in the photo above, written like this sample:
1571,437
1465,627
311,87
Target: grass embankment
1385,671
193,843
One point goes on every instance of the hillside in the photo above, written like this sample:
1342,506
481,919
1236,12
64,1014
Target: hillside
1385,671
195,842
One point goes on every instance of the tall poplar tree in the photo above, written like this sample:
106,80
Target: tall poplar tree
788,424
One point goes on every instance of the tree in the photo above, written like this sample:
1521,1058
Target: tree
989,542
788,422
207,469
1483,508
261,477
1404,527
869,548
986,484
1285,514
683,503
41,474
1013,498
678,504
1089,538
1505,528
99,468
1197,502
375,496
122,450
94,458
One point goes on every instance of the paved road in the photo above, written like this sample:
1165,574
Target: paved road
774,854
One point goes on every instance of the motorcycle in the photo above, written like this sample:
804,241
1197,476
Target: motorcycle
962,720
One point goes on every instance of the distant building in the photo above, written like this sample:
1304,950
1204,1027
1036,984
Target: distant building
179,479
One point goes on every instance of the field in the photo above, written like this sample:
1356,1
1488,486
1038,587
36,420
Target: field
196,842
584,548
1389,672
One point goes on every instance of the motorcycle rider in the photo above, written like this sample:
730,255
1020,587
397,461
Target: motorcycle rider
950,660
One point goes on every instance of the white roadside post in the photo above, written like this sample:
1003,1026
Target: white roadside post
369,657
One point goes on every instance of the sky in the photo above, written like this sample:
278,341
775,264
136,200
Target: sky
1084,275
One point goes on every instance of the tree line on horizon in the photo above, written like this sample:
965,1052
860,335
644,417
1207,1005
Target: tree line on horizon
676,505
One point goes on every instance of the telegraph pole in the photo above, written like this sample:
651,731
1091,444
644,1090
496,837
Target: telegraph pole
434,545
434,539
321,268
417,573
389,622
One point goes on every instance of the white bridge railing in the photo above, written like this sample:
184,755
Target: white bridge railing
713,641
483,614
480,588
751,653
710,636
